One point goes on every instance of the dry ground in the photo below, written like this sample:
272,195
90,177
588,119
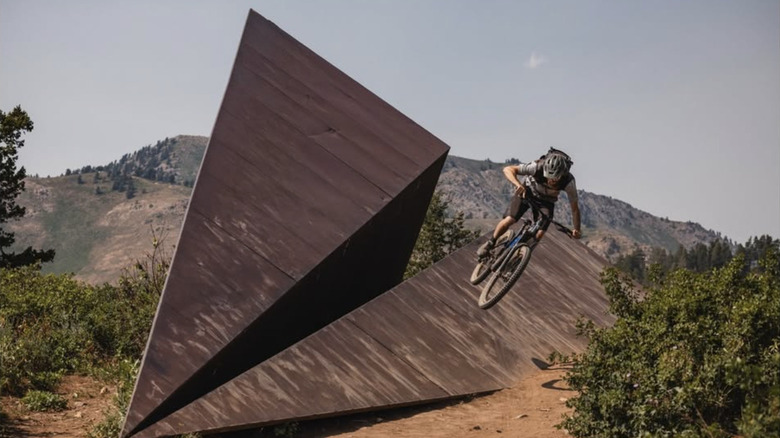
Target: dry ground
531,408
88,400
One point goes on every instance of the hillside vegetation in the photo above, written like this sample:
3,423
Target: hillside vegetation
96,231
696,354
54,325
173,160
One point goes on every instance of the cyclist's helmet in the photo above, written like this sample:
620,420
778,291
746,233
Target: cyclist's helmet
555,166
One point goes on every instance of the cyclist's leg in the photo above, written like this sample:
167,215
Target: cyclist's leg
516,209
548,209
502,226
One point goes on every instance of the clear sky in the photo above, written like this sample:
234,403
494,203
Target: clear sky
673,107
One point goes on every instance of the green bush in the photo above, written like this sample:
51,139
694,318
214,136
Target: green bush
54,324
42,328
439,236
697,355
123,323
124,373
44,401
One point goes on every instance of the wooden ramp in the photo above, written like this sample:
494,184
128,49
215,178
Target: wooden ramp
425,340
307,205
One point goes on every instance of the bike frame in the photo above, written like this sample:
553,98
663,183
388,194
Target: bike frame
499,263
528,232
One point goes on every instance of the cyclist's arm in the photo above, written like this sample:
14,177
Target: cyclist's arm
512,172
571,192
575,218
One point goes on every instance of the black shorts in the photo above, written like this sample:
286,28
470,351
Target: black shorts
519,206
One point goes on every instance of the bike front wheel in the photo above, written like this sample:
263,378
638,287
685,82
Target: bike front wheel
505,277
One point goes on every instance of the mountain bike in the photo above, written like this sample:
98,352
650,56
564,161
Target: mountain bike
509,258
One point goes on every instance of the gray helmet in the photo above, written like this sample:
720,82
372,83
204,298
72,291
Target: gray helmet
555,166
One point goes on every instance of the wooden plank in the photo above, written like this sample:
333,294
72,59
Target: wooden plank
390,171
270,238
300,207
314,374
355,101
270,139
197,315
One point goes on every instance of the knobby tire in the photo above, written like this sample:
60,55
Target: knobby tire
481,271
524,253
484,265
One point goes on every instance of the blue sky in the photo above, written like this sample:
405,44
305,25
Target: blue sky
673,107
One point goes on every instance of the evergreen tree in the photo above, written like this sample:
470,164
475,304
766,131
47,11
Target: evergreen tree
130,194
633,264
12,126
438,237
756,247
720,253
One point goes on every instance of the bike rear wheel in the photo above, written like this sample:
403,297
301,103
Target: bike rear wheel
482,270
505,277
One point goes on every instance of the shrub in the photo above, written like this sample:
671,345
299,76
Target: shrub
44,401
698,355
124,323
54,324
42,329
439,236
124,373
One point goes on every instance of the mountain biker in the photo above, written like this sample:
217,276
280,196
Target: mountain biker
542,181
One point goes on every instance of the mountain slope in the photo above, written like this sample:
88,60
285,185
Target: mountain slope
97,235
98,227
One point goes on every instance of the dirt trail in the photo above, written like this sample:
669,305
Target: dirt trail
530,409
88,399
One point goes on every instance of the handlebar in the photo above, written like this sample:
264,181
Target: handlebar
564,229
535,206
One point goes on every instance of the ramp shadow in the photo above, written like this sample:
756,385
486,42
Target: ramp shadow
326,427
542,365
556,384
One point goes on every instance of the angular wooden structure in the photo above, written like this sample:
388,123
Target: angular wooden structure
307,205
424,340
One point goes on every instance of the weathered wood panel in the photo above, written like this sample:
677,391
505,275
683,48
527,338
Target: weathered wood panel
306,175
433,340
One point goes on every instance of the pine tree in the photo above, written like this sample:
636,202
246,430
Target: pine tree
130,194
438,237
12,126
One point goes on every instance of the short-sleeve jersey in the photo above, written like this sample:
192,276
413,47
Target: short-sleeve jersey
541,189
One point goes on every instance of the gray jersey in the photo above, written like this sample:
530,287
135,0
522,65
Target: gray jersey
543,191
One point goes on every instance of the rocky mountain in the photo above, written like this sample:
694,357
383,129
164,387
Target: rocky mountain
100,219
